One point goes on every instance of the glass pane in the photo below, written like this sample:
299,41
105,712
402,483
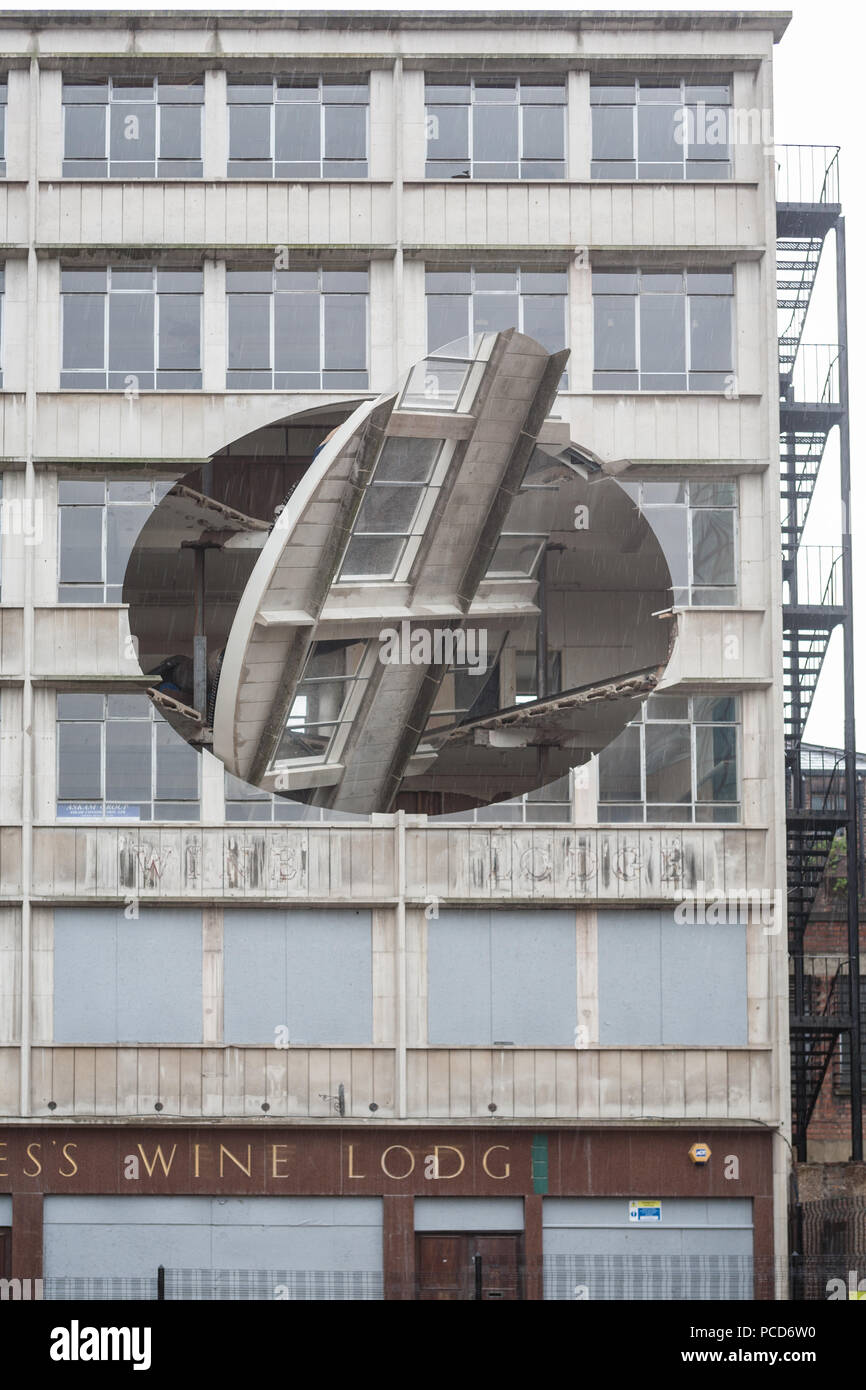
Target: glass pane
494,131
715,709
388,508
124,527
346,132
297,130
544,320
84,132
544,132
614,317
130,332
345,332
716,763
613,132
713,494
707,129
81,545
657,130
249,132
177,766
80,706
372,555
179,330
668,763
662,492
713,547
71,490
662,333
447,132
516,555
127,760
710,321
180,132
249,325
619,768
447,319
667,707
296,332
84,330
669,526
494,312
133,131
79,776
130,491
407,460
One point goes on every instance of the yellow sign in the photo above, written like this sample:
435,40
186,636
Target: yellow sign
700,1153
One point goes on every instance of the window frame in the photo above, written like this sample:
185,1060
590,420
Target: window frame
684,104
153,719
519,271
322,80
636,489
643,805
156,173
442,80
131,377
685,296
156,485
323,295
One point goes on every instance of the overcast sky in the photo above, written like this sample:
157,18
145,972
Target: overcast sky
818,73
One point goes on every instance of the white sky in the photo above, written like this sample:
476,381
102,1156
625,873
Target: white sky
818,76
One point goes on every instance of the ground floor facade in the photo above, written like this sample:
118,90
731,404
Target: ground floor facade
374,1212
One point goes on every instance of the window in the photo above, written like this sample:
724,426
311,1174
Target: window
132,128
118,760
501,977
321,704
293,330
495,128
99,522
662,330
464,302
397,505
2,320
131,330
657,128
677,762
696,526
244,802
551,804
298,128
3,97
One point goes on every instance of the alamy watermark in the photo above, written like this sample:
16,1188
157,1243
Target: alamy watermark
436,646
707,125
765,905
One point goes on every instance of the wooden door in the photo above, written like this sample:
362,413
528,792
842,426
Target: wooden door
468,1266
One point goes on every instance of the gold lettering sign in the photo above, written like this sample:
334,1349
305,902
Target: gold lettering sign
159,1157
440,1148
498,1177
394,1148
3,1173
236,1161
352,1173
69,1159
31,1155
275,1159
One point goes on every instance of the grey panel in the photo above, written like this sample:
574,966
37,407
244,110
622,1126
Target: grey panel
458,978
85,975
329,968
255,975
105,1237
694,1213
629,979
659,982
468,1213
119,980
159,976
703,989
309,970
534,960
5,1211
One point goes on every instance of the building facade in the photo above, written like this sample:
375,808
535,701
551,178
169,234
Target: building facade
448,1048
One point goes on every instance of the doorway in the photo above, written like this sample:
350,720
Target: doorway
469,1266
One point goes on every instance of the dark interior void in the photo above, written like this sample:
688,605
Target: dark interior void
253,476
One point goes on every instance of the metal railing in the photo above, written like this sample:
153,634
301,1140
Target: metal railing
813,377
819,576
807,173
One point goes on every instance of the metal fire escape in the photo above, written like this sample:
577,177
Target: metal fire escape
813,390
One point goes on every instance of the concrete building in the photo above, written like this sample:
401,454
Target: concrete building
513,1041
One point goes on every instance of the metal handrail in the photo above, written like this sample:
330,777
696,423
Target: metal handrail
802,170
